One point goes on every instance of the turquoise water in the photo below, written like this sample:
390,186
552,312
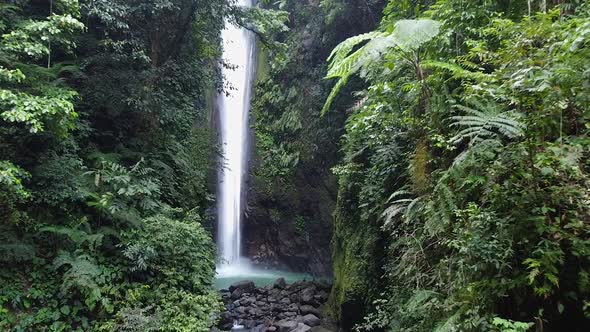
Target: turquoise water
227,275
267,278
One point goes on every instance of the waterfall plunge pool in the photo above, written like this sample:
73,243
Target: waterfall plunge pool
243,270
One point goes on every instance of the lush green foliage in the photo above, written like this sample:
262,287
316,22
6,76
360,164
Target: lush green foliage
463,201
105,150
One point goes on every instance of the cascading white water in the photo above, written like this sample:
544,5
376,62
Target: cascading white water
238,48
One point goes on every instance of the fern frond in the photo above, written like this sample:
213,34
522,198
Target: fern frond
343,49
82,274
339,85
404,206
479,126
455,70
79,237
412,34
408,35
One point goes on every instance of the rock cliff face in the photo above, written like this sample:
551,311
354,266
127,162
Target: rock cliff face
291,229
292,191
296,307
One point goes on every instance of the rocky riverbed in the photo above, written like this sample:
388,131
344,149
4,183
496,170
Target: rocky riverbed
281,307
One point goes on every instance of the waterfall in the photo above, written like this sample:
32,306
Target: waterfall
233,106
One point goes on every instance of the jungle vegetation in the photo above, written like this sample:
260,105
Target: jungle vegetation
105,149
456,133
463,185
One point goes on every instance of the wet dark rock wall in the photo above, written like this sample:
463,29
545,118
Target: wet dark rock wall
291,229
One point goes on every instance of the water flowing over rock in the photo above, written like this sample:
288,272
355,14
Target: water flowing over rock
233,107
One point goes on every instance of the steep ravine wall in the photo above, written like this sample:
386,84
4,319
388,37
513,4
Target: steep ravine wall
290,219
288,225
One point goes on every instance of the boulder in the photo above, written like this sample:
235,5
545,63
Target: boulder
225,317
307,295
227,326
271,329
286,325
311,320
249,324
255,312
322,296
247,300
259,328
294,297
280,283
237,293
308,309
245,285
241,310
302,328
285,301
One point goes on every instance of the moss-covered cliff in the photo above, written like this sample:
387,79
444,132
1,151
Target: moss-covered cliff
292,190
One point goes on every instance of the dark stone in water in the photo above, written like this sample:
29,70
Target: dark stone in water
280,283
245,285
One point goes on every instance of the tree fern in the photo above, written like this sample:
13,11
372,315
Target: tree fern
408,36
